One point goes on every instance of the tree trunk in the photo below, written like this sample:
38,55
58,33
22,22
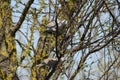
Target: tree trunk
8,58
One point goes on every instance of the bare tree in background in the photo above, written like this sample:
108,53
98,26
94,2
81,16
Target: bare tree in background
64,39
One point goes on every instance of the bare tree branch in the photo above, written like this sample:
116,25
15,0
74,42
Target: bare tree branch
22,17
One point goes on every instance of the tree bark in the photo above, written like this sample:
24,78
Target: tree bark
8,60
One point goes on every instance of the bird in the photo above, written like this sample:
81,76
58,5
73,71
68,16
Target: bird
50,62
51,27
